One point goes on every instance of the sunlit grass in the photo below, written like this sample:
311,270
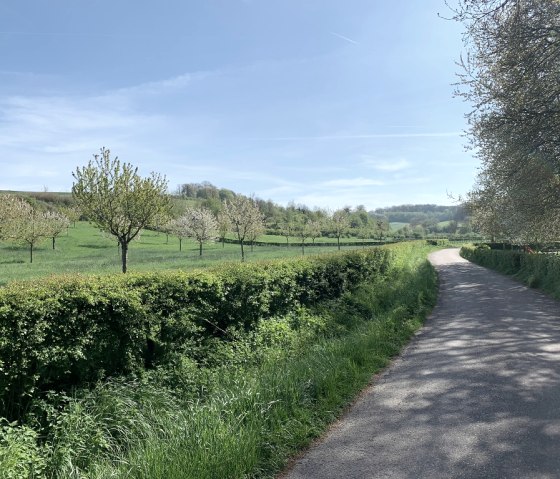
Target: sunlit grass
84,249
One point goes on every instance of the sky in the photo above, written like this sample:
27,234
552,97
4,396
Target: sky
327,103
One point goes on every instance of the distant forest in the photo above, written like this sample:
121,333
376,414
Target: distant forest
418,214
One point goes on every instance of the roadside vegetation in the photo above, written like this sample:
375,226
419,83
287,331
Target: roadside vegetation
536,270
222,373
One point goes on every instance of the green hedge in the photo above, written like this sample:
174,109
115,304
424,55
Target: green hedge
67,331
536,270
438,242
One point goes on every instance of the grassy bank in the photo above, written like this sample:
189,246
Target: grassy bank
242,410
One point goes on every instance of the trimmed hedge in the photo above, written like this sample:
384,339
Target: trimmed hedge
310,244
438,242
535,270
67,331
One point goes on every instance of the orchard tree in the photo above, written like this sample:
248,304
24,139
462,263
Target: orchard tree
56,224
245,217
114,197
180,228
72,213
201,225
11,210
302,230
31,227
224,226
257,230
315,228
22,223
339,223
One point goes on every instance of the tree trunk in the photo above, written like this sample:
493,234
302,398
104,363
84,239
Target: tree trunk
252,243
338,242
180,244
223,242
31,253
242,251
124,257
302,248
53,238
200,248
167,238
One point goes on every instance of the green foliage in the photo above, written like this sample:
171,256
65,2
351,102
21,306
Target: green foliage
68,331
236,402
20,455
438,242
536,270
118,200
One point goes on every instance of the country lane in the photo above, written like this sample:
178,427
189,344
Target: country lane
475,395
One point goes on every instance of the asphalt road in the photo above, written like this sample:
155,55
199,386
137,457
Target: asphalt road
475,395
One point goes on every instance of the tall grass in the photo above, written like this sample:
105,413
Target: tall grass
258,400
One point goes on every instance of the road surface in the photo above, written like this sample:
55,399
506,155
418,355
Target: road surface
475,395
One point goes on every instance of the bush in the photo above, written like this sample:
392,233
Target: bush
438,242
69,331
535,270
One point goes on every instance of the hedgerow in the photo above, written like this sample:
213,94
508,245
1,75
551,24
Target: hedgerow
534,269
64,332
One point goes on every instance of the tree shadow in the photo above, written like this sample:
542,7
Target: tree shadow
475,395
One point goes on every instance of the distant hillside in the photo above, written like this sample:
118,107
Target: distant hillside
418,214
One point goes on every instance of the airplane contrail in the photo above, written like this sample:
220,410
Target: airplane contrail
344,38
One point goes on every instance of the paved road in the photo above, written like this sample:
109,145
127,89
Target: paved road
475,395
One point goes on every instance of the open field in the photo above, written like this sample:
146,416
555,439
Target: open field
396,225
84,249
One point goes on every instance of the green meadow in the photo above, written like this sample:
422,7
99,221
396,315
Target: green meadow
84,249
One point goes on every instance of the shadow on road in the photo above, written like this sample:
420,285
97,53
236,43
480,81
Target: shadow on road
476,395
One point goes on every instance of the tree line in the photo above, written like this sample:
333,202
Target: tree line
117,200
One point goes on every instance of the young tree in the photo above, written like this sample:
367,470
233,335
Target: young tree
315,228
31,227
224,226
56,224
114,197
201,225
302,230
180,228
339,223
287,223
257,230
11,209
72,213
244,216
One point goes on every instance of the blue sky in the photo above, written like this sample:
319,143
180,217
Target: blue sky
322,102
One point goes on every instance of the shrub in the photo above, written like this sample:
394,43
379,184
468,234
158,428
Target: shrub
68,331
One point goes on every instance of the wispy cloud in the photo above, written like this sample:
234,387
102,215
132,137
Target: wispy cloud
342,37
387,165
